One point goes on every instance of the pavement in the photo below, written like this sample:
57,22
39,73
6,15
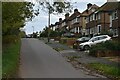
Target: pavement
84,57
39,60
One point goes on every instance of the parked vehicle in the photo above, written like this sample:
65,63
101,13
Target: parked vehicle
93,41
80,40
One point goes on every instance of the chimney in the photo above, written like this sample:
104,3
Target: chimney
89,5
66,15
75,10
60,19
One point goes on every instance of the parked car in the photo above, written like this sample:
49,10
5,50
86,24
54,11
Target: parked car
93,41
80,40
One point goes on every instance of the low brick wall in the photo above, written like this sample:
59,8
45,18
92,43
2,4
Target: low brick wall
68,41
108,53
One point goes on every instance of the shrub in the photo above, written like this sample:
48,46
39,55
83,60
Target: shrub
105,48
10,39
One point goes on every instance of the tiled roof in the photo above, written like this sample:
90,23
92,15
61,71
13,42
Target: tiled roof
74,15
88,12
108,6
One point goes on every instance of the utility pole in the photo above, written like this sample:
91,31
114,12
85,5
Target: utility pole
49,24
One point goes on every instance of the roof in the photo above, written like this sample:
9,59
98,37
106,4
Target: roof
88,12
74,15
109,6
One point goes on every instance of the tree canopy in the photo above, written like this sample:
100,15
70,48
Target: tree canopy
55,6
14,16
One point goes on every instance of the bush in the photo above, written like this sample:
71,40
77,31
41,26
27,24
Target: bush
8,39
105,48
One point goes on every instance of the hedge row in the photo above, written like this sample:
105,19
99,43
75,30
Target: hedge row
106,49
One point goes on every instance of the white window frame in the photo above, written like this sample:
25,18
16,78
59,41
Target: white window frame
93,16
115,32
99,29
99,16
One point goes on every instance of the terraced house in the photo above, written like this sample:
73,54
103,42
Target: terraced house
115,18
103,20
64,24
94,20
90,8
74,21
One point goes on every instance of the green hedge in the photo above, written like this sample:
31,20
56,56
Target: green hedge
8,39
104,47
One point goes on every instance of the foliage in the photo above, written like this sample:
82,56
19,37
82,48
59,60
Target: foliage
23,34
10,59
106,69
9,39
103,47
14,16
52,33
55,6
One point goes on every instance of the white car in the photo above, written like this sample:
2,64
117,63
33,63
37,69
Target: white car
93,41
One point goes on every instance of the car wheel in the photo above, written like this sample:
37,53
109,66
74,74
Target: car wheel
86,47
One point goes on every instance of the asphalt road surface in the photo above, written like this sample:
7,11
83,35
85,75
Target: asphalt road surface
39,60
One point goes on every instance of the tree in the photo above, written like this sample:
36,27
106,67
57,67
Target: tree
14,16
54,8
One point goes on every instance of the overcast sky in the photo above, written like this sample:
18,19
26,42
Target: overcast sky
40,21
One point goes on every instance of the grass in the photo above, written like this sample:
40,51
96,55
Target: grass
106,69
10,59
58,49
71,58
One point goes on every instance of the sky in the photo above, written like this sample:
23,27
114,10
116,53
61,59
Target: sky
40,21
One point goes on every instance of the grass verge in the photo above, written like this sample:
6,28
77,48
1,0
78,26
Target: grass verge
10,60
58,49
113,72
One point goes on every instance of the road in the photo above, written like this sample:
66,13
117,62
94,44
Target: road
39,60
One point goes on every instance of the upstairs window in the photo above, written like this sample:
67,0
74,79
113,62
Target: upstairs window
98,15
114,15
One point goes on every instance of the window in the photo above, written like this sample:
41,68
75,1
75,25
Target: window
87,19
94,39
98,28
115,32
98,15
78,19
93,10
102,37
93,16
114,15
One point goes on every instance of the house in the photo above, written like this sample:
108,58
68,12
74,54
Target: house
114,18
52,27
64,24
98,21
104,20
74,22
90,8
